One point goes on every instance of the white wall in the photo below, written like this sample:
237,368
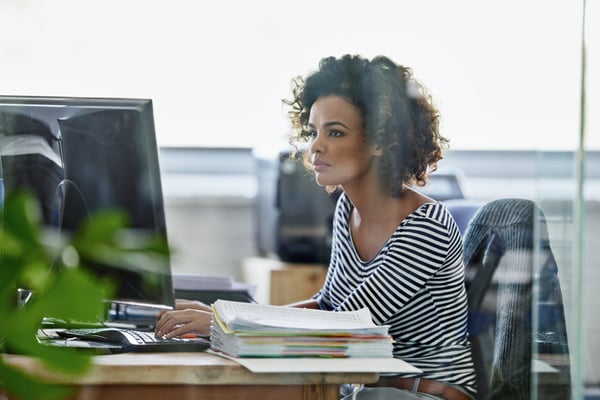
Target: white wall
505,73
211,235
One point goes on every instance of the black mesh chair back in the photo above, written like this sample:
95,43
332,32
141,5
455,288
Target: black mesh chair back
508,261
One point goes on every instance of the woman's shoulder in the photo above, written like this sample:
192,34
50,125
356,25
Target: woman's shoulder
343,203
434,212
433,207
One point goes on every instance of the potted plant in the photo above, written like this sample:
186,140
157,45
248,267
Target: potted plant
49,267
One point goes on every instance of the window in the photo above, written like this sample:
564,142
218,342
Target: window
217,72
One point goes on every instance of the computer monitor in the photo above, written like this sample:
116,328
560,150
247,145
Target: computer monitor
83,155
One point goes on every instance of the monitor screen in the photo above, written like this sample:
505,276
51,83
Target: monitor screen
82,155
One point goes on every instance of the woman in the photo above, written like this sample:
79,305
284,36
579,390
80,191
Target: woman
372,131
367,128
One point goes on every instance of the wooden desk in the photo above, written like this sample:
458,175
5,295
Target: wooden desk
184,376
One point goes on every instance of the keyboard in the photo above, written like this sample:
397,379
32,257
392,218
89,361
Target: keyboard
131,340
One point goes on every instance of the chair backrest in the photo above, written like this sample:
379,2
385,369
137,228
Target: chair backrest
506,253
463,211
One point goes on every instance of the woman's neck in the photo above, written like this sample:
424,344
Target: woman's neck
377,215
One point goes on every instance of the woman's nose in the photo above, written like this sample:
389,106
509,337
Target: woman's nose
315,144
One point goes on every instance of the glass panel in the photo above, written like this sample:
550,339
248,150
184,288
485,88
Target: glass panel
568,193
555,233
505,74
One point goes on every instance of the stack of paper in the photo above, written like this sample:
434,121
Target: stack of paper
207,282
255,330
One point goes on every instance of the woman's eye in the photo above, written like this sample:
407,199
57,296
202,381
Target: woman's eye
336,133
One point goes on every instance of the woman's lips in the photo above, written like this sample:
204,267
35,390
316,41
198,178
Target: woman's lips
319,166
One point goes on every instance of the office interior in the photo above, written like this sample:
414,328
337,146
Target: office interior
214,191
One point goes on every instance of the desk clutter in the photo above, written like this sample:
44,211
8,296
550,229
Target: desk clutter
255,330
207,288
108,340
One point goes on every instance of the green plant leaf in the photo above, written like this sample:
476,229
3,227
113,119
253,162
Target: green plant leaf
72,296
21,217
61,289
24,386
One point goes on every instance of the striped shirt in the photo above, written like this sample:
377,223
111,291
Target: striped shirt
415,284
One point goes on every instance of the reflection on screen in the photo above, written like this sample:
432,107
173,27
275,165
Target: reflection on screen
82,155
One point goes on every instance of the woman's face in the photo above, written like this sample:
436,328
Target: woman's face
340,153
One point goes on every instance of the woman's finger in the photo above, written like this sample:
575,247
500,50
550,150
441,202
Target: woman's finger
176,323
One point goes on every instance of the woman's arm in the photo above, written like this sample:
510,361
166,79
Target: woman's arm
195,317
182,304
310,303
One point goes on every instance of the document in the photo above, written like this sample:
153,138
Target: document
199,282
301,365
237,316
256,330
207,282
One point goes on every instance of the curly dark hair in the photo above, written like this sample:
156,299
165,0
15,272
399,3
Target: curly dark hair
398,114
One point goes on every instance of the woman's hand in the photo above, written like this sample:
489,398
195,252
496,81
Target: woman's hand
181,322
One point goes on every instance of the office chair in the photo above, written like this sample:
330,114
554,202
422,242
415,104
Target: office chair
30,160
463,211
508,260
